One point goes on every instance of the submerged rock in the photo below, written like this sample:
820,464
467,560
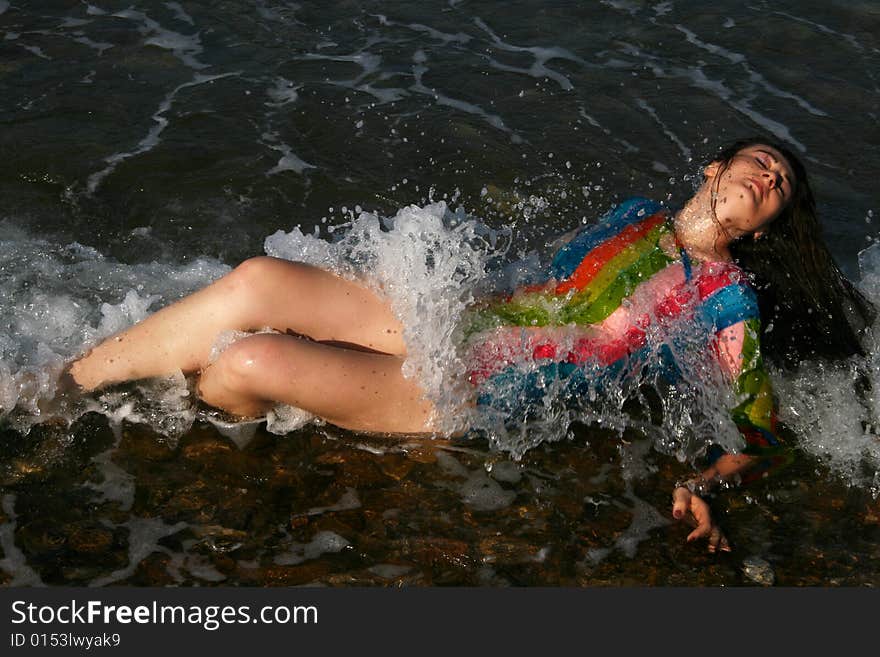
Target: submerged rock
500,549
758,571
217,539
89,540
396,466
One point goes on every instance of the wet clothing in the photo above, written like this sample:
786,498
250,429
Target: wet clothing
603,312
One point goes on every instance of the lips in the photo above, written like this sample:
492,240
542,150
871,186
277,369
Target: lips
760,189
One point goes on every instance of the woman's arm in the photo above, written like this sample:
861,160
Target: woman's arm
688,497
738,351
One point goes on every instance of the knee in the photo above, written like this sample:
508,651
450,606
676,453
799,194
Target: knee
256,283
253,273
250,287
262,269
245,362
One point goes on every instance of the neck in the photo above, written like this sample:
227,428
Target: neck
699,232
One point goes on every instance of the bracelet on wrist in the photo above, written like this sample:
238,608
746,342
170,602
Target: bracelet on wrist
700,486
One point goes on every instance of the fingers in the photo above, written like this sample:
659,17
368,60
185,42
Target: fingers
717,540
702,515
684,501
681,498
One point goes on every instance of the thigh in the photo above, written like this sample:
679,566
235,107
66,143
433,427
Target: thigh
293,296
352,389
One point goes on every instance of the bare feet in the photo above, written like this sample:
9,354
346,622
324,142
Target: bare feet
76,376
62,404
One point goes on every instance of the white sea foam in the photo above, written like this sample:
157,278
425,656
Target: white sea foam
179,12
117,484
14,562
283,93
289,160
666,130
323,542
629,6
628,147
143,540
849,38
834,407
281,14
95,45
419,87
645,519
542,55
58,300
370,64
833,421
482,493
184,47
70,21
443,37
35,50
698,78
754,76
348,501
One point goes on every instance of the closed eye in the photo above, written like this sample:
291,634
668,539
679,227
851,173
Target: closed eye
764,162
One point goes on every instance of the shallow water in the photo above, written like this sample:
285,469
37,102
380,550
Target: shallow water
149,147
325,507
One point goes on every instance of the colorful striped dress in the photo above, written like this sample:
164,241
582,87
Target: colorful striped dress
612,305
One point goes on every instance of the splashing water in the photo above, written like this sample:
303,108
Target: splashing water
432,263
834,407
428,262
58,301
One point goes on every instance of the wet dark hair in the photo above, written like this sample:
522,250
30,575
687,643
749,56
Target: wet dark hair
808,307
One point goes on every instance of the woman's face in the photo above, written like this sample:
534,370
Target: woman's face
755,187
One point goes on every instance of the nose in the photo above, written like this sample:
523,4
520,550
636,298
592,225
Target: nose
772,179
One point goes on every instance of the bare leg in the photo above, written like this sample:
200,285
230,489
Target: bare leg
260,292
351,389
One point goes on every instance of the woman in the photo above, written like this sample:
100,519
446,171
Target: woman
339,349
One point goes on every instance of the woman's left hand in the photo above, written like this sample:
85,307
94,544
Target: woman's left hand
693,509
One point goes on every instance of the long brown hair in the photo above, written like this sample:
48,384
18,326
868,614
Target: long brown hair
808,307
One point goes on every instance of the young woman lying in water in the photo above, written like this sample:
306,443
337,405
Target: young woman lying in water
339,347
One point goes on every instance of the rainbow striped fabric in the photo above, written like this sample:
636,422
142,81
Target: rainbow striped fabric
589,279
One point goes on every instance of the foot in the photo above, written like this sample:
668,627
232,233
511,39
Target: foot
74,375
67,393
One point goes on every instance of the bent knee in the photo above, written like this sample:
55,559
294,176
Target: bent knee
260,269
255,285
245,362
255,272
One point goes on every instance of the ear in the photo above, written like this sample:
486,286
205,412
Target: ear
711,169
